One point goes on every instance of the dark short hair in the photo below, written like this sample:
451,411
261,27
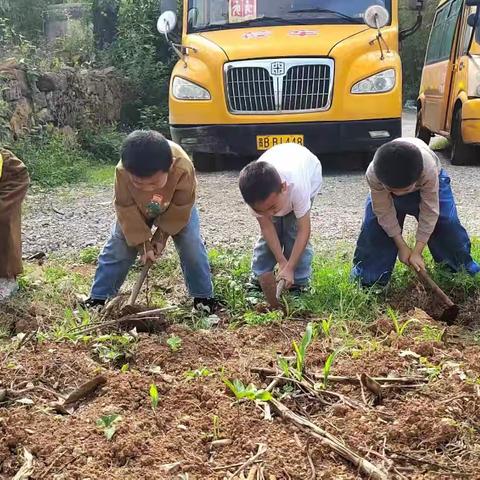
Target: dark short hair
258,181
398,164
146,152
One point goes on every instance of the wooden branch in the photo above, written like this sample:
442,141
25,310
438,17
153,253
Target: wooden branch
367,468
85,389
347,380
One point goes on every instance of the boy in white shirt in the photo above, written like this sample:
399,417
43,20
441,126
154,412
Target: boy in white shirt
280,188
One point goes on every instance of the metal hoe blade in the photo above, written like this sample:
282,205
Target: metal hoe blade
269,288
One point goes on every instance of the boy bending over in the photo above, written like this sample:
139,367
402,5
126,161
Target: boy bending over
14,181
406,178
280,188
154,185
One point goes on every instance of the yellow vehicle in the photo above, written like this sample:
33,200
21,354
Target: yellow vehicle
449,99
256,73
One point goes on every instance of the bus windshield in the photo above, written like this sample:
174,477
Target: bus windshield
206,15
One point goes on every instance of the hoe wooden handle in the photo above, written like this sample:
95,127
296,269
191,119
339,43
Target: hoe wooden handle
426,280
143,274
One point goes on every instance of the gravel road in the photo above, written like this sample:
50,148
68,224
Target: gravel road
73,218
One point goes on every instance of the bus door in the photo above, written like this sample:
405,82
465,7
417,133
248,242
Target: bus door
439,66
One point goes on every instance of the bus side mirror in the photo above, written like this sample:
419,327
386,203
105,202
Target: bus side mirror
167,23
472,20
417,5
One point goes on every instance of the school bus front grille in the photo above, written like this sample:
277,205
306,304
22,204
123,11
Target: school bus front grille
279,85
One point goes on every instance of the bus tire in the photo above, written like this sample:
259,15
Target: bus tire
421,132
461,153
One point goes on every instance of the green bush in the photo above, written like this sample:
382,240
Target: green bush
143,56
104,145
53,159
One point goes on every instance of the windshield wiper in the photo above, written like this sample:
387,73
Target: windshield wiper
330,12
253,22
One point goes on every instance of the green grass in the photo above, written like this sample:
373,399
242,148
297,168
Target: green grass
100,175
54,159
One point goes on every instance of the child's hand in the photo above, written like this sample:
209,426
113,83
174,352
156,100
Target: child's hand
148,256
404,254
288,274
417,262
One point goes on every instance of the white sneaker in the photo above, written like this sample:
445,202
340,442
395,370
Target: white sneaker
8,286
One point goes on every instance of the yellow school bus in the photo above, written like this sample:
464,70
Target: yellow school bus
256,73
449,98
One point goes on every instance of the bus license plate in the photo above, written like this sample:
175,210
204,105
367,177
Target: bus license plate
264,142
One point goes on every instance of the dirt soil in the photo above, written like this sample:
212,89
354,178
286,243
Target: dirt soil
428,432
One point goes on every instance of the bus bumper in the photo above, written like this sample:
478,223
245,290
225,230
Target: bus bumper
471,121
319,137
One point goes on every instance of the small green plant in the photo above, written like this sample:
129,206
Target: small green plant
397,324
89,255
108,423
216,427
327,325
199,373
115,349
309,336
174,342
433,371
249,392
328,367
153,396
125,368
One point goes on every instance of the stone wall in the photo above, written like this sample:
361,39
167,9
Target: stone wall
69,98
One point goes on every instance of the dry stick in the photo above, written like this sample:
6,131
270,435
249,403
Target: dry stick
313,476
348,380
262,448
366,467
234,465
44,474
85,389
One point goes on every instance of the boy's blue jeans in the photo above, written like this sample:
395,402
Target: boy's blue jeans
376,252
264,261
117,258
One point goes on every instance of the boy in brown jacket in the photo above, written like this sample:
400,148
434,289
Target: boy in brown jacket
14,181
154,186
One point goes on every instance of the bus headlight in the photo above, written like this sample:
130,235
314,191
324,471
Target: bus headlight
379,83
185,90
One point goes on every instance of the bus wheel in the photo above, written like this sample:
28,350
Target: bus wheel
461,153
207,162
422,132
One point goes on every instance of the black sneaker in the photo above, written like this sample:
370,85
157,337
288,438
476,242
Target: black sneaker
208,305
92,303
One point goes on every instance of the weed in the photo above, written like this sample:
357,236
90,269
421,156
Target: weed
72,319
399,326
200,373
249,392
125,368
174,342
108,423
433,371
431,333
254,318
309,336
114,348
89,255
153,396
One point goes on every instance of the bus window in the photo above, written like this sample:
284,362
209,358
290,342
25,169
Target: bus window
443,32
